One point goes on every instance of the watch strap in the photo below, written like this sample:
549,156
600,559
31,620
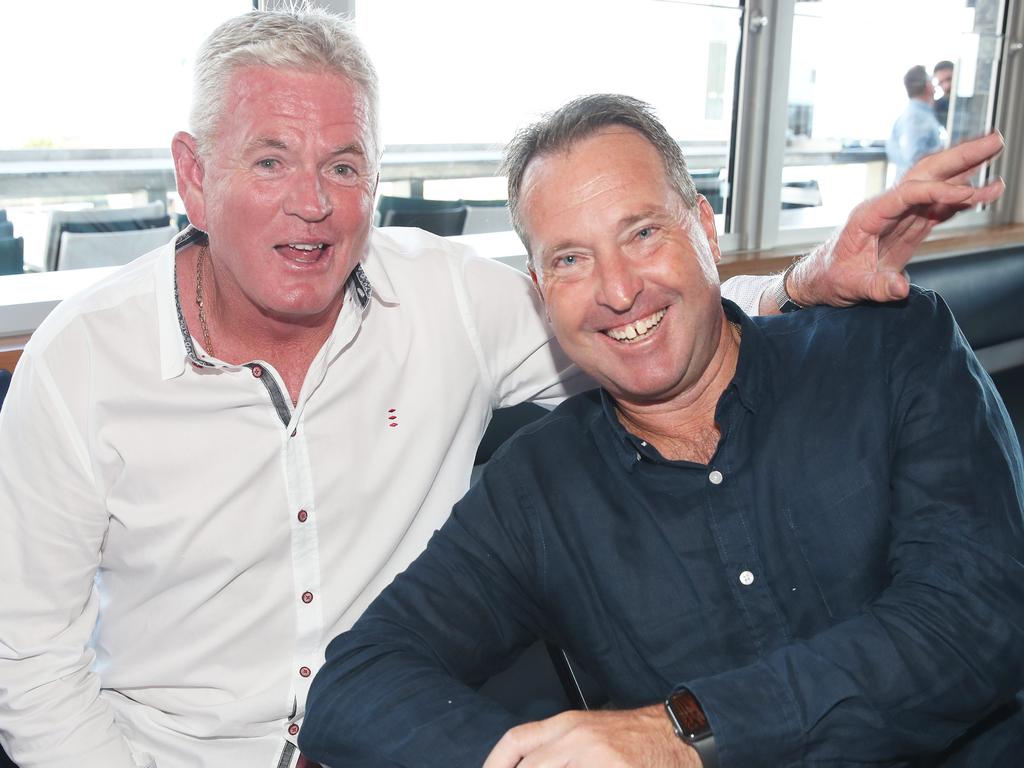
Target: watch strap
691,725
783,300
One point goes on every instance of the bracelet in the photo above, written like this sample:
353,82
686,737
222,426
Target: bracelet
783,300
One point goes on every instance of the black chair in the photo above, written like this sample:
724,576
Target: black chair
12,256
98,227
444,222
486,216
103,220
6,230
984,291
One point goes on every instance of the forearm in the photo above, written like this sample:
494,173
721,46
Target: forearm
902,679
379,697
52,524
401,681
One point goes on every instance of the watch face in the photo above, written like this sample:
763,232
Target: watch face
689,715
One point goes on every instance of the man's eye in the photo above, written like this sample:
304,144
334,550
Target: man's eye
344,170
566,261
267,163
645,233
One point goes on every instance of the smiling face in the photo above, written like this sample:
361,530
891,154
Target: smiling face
626,270
285,192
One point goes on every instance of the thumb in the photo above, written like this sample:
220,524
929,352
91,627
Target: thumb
898,285
886,286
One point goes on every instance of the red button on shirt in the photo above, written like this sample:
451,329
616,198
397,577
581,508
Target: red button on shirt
293,729
307,597
303,515
305,671
257,371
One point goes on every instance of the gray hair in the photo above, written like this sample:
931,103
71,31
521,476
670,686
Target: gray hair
300,36
579,119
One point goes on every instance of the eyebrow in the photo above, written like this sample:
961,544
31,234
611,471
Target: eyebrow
268,142
351,148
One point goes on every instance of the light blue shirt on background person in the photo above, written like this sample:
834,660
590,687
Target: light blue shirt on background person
915,134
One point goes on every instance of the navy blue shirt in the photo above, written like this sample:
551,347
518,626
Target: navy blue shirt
841,584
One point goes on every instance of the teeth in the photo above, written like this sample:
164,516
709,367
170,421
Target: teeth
638,328
306,246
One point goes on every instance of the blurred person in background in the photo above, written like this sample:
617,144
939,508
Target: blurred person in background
916,132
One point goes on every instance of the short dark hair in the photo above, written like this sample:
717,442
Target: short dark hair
581,118
944,64
916,81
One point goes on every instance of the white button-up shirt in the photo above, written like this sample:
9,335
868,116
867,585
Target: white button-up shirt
178,543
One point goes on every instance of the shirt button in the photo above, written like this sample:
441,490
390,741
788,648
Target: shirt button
295,432
257,371
303,515
715,477
293,729
305,671
307,597
746,578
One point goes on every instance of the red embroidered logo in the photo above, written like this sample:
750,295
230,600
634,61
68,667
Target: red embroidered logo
392,417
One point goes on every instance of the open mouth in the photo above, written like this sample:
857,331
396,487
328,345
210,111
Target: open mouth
638,329
305,253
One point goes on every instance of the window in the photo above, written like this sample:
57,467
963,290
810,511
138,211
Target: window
93,93
458,77
846,91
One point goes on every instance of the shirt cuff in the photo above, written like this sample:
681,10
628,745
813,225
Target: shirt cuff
752,717
746,290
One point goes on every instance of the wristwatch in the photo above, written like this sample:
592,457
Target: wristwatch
782,298
691,726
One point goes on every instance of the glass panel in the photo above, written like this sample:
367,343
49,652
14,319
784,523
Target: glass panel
847,92
458,77
92,99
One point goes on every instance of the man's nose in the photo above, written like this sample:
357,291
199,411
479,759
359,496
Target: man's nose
306,197
618,281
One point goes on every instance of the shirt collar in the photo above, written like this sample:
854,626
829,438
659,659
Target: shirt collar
176,348
630,449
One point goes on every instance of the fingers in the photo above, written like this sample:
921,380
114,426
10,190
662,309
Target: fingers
956,160
910,194
520,741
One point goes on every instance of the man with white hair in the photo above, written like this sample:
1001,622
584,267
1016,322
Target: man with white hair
216,458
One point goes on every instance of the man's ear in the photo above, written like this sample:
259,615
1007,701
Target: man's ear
536,284
706,214
189,174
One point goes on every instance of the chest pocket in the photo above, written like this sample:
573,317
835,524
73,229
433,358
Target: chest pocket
841,527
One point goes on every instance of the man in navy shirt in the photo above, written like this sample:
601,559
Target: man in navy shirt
784,541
